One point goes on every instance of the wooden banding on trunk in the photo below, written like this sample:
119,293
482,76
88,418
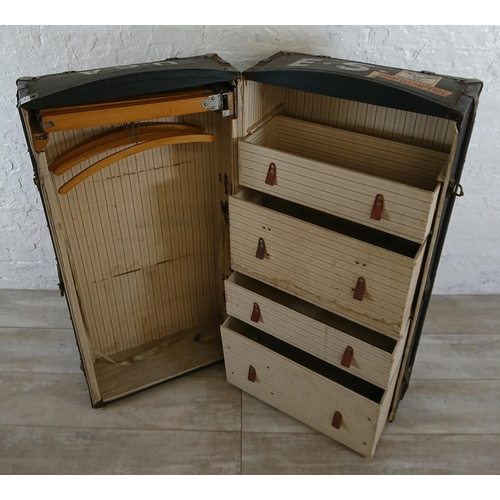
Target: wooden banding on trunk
341,173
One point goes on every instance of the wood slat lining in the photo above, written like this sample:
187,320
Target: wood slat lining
249,286
146,225
381,320
324,336
319,285
318,255
378,121
344,239
400,181
294,184
399,248
183,354
256,160
425,159
301,392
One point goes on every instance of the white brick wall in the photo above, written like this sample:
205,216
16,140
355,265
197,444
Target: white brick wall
470,262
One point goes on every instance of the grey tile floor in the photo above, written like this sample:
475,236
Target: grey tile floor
448,423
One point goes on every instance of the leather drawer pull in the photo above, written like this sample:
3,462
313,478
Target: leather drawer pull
378,207
255,313
271,175
252,375
337,420
347,357
261,249
359,291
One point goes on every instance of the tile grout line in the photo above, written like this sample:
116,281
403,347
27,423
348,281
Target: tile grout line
80,373
113,428
69,328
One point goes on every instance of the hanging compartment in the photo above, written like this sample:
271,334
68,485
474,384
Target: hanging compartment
132,188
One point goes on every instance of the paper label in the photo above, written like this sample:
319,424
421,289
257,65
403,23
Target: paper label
409,78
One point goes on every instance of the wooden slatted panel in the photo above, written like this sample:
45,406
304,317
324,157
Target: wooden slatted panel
300,261
314,330
301,392
387,268
409,128
143,237
162,359
402,163
407,209
257,101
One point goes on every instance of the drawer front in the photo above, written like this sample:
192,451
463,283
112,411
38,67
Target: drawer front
317,265
407,211
302,393
368,355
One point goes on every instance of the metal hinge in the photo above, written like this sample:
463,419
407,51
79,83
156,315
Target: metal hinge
455,188
223,102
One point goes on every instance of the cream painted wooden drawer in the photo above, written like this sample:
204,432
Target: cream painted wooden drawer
327,399
335,340
360,274
342,172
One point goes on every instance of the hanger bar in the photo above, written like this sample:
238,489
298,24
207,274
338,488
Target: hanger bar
123,102
99,165
94,115
116,138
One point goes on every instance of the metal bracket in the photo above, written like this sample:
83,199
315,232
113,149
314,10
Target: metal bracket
43,126
26,99
455,189
212,102
223,102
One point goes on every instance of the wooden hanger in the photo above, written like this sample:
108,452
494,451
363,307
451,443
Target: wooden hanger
99,165
116,138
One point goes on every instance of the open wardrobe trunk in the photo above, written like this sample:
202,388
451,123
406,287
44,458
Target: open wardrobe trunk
299,208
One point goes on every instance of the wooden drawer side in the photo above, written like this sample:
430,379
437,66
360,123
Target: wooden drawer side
349,189
300,391
313,330
300,259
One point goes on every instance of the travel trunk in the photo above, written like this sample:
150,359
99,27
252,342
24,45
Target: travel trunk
299,209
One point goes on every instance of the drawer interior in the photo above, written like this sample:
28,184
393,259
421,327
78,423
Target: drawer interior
330,222
326,370
316,313
411,165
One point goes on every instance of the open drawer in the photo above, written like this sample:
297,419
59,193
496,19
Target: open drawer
361,274
342,343
331,401
345,174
